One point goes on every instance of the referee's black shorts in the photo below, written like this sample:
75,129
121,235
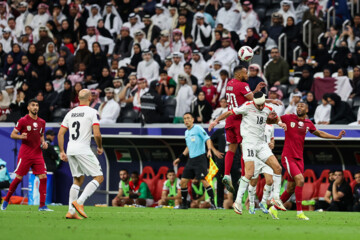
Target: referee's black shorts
196,167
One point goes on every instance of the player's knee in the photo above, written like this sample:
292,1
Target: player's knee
299,181
269,181
277,169
183,182
19,177
42,176
114,202
99,179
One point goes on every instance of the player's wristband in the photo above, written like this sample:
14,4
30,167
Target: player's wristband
279,122
182,157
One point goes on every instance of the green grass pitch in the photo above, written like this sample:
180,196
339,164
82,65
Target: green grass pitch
25,222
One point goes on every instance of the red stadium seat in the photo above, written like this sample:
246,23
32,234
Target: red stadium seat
309,175
348,176
322,184
308,191
158,191
162,172
147,173
352,185
151,184
180,172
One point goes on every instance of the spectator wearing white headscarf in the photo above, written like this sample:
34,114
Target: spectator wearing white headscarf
148,68
199,66
24,19
112,19
287,10
184,96
134,23
249,19
160,18
41,18
226,55
177,66
94,15
229,16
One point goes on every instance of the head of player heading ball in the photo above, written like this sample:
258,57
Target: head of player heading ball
259,98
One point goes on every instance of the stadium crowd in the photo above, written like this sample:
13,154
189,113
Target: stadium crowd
151,61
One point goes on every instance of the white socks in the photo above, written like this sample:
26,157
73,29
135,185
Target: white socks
298,212
277,186
73,195
88,191
244,183
252,191
266,193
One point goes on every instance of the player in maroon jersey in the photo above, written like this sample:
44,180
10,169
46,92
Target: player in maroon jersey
31,129
237,93
292,155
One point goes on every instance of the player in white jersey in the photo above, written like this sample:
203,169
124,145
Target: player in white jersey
262,168
255,116
81,122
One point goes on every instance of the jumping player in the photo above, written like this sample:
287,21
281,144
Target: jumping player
292,156
237,93
31,129
262,168
81,122
254,148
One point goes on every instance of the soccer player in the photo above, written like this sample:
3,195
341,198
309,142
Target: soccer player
171,192
124,189
81,122
31,129
196,167
255,116
262,168
292,156
237,93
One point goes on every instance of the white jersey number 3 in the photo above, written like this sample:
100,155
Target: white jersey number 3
231,100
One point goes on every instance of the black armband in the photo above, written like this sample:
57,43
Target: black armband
182,157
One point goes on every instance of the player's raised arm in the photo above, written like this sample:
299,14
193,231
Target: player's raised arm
221,117
61,135
326,135
98,139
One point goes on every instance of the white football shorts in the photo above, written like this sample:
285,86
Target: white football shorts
84,165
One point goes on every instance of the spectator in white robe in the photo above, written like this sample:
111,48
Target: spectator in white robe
249,19
112,19
226,55
93,36
141,90
148,68
177,67
294,100
139,37
201,31
220,110
161,18
41,18
323,111
94,15
4,15
7,40
199,67
176,41
57,15
287,10
109,110
184,96
163,46
276,94
134,23
24,19
229,16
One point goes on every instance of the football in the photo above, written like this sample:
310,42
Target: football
246,53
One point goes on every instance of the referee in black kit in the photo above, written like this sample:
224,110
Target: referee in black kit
197,165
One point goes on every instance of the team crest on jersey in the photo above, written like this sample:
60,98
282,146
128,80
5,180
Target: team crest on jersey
292,124
301,124
28,128
35,124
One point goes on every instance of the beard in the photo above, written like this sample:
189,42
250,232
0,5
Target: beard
34,113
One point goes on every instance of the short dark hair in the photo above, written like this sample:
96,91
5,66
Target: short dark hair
182,15
208,77
125,170
50,132
258,94
136,173
339,170
170,171
32,100
189,114
188,64
224,72
357,173
326,96
238,68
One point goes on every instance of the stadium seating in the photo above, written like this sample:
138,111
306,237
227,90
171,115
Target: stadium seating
170,105
130,116
348,176
308,191
148,176
179,172
322,184
352,185
309,176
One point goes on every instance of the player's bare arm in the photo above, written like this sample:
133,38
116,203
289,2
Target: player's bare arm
326,135
272,143
210,147
44,144
221,117
98,139
61,135
15,135
327,197
273,118
181,157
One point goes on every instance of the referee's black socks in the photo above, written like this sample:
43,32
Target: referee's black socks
210,192
184,193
